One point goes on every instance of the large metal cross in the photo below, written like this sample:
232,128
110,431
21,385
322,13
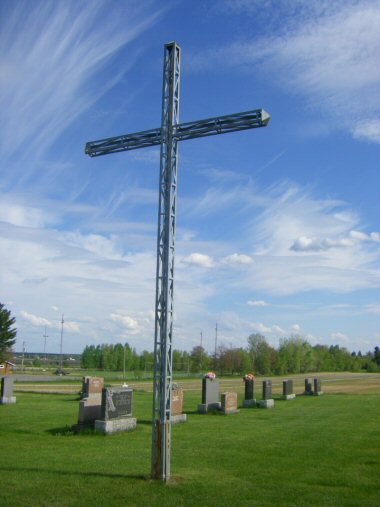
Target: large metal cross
167,137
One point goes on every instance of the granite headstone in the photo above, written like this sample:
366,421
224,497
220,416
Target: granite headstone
287,390
229,403
267,400
249,392
90,405
6,394
308,386
317,387
210,396
116,411
177,414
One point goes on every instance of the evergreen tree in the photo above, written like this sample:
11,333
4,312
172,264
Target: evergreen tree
7,333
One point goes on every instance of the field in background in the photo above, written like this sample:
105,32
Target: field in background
339,382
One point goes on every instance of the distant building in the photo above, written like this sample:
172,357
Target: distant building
6,368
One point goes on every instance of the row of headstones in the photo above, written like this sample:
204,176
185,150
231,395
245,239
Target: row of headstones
228,400
6,390
110,409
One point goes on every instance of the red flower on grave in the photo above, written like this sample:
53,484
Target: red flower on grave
249,376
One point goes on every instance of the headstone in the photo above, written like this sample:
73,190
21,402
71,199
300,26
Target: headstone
308,386
229,403
210,396
90,404
90,409
267,401
317,387
287,390
6,394
249,390
84,392
116,411
94,386
267,389
177,414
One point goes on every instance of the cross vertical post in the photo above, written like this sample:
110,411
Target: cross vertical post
163,353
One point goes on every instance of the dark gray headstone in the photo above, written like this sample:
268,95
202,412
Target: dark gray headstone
249,389
84,393
210,391
317,385
308,386
267,389
287,387
6,387
116,403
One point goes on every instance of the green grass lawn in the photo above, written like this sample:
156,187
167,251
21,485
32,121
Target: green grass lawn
309,451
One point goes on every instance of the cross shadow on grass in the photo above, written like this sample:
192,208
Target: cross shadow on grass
66,431
138,477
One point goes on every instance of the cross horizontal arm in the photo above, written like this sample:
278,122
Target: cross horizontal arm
190,130
222,124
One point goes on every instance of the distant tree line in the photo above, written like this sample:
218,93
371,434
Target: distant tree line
294,355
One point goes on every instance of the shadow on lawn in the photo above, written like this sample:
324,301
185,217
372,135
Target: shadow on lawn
139,477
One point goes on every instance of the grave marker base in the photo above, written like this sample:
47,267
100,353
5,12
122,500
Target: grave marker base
267,403
233,411
249,403
288,396
80,426
318,393
7,400
203,408
178,418
114,425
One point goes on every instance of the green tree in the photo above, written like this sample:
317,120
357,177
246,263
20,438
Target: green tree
198,359
7,333
245,364
377,356
263,356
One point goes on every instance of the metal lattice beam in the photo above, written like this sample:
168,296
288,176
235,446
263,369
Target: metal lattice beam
182,132
162,383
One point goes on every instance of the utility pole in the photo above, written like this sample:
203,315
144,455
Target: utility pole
216,340
60,352
23,354
124,366
201,350
167,137
45,336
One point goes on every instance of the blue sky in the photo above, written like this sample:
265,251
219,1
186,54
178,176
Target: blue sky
277,228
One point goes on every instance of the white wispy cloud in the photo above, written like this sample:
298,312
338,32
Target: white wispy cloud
128,322
198,259
258,303
327,53
37,321
339,337
368,130
52,54
306,244
373,308
236,259
262,328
